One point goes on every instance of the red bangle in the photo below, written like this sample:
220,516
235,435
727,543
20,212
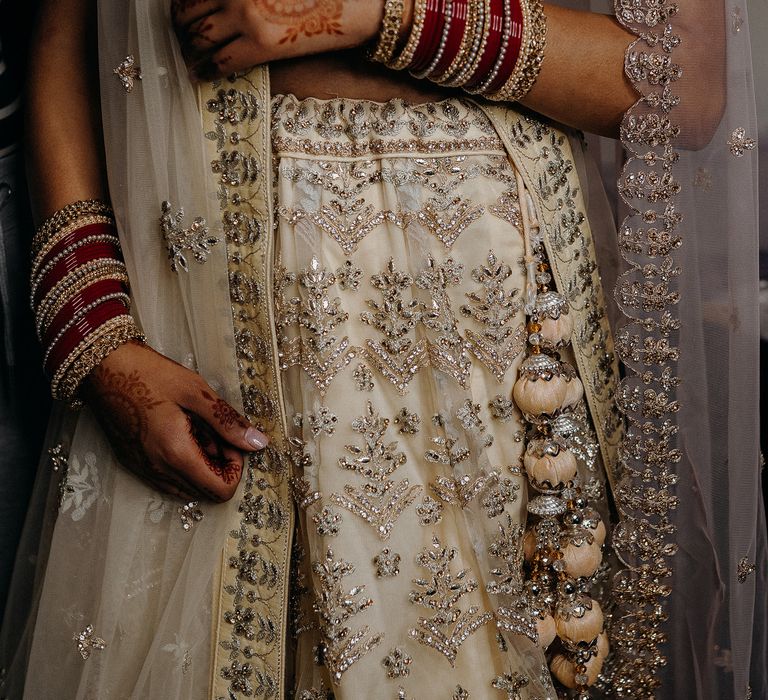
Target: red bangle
84,297
493,46
80,331
77,258
71,238
513,48
430,37
454,40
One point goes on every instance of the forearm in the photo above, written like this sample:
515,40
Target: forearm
582,81
64,144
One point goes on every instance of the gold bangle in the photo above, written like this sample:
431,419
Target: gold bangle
473,64
39,276
90,352
390,31
45,316
67,215
406,55
467,42
63,232
473,37
96,265
531,56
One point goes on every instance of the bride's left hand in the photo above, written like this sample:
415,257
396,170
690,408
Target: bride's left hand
219,37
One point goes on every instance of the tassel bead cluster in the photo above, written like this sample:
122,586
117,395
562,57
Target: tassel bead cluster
563,543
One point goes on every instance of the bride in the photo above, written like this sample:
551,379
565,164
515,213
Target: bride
363,432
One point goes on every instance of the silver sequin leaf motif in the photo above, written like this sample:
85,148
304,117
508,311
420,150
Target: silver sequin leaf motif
335,606
396,357
495,309
196,239
60,465
447,349
739,142
450,626
88,642
381,501
128,72
744,569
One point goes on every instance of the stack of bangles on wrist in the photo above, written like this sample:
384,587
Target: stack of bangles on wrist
492,48
80,293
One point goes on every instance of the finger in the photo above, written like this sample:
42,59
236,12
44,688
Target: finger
208,35
185,12
241,54
225,420
217,474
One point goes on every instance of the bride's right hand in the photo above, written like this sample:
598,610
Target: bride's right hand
167,426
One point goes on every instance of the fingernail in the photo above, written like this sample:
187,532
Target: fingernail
256,438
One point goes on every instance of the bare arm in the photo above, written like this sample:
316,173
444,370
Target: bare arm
582,82
64,155
163,421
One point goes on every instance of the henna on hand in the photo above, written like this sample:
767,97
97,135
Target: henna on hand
168,427
308,18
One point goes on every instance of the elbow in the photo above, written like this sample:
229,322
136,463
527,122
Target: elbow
699,125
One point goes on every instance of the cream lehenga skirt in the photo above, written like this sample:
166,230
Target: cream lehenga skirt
398,290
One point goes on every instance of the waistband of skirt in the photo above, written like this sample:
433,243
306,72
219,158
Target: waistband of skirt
353,129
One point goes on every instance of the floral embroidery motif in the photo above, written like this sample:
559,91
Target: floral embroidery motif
397,663
322,422
387,563
739,142
128,72
397,357
450,627
409,422
447,451
88,642
327,522
363,378
505,492
83,486
196,239
181,653
495,309
502,408
430,511
346,218
336,606
349,276
744,569
190,514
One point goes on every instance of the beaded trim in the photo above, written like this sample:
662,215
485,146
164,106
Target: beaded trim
90,352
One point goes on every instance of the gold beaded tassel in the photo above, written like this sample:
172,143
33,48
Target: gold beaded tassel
563,546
